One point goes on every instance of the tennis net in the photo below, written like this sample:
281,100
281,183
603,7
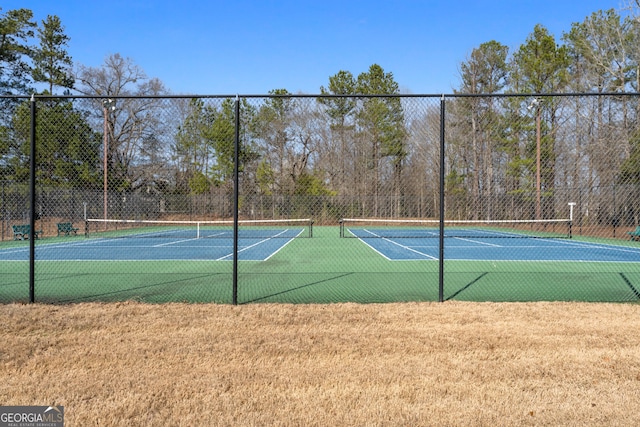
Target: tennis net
464,229
250,229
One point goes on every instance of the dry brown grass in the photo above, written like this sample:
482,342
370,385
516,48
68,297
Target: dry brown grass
318,365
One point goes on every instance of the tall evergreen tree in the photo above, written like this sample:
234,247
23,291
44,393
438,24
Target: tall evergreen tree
381,120
341,113
51,61
16,28
477,119
541,66
191,148
221,137
273,121
67,147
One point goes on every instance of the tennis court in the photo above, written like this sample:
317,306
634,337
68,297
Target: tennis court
166,245
154,227
473,244
213,241
297,264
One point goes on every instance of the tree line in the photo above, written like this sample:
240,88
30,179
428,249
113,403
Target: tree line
380,150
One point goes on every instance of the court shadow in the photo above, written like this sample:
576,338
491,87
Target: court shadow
297,288
467,286
630,285
149,288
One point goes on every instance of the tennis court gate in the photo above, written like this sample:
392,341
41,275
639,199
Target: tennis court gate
550,165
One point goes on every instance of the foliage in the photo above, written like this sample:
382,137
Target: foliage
133,122
485,71
16,28
199,183
204,145
265,177
51,61
191,149
540,65
382,117
601,47
67,153
354,144
630,168
339,109
312,186
381,122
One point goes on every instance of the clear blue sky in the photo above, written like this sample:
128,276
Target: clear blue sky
251,47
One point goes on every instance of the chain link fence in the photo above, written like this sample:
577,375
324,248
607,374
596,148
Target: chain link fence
253,198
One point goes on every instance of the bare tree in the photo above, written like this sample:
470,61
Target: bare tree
133,125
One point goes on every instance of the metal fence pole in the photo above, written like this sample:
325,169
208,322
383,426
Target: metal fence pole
32,203
4,212
236,192
442,211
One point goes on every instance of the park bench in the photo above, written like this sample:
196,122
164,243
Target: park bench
23,231
66,228
635,234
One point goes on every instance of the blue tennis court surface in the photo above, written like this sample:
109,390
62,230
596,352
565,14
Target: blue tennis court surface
508,248
139,248
473,247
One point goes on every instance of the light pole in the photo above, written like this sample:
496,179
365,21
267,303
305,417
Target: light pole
536,104
107,104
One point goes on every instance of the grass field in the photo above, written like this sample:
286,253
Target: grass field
323,269
456,363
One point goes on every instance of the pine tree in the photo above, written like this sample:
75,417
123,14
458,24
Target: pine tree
51,61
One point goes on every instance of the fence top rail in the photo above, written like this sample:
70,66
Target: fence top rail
303,95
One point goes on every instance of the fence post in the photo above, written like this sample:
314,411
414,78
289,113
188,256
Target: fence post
442,210
236,192
615,214
32,203
3,213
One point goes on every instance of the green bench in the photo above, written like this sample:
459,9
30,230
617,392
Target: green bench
635,234
23,232
66,228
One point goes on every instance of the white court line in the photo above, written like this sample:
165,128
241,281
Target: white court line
12,251
556,243
56,245
259,243
96,243
395,243
374,249
588,245
186,240
280,248
478,243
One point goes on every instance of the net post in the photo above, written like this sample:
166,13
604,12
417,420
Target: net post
86,221
571,205
310,228
341,222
